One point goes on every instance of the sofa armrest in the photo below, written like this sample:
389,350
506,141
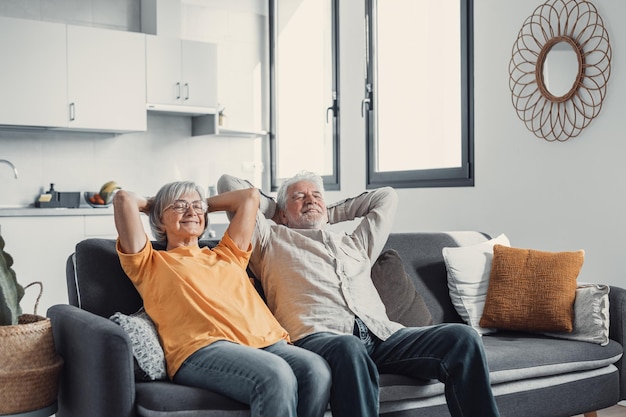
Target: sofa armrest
97,378
617,328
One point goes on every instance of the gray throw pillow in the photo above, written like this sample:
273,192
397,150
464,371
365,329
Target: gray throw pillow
147,350
403,303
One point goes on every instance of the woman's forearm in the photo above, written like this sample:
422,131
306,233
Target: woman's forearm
126,208
243,206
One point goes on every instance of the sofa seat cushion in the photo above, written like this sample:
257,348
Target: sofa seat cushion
515,356
160,398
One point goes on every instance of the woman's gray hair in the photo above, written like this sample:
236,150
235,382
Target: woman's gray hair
281,196
164,198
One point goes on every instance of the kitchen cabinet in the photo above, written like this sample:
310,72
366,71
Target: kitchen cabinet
106,79
71,77
34,73
104,227
40,246
181,75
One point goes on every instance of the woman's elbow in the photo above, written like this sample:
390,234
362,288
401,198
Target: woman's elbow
120,198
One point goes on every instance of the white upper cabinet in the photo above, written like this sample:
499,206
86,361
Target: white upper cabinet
106,79
199,73
33,88
181,75
71,77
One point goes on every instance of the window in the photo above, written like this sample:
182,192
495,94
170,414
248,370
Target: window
304,120
419,93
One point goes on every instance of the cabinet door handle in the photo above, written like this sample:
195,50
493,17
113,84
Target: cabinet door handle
178,91
186,91
72,112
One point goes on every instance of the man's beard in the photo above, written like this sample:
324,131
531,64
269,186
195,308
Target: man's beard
307,221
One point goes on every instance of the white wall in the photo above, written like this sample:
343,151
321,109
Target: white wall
546,196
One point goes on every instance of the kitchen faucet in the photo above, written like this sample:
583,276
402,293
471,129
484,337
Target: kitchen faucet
6,161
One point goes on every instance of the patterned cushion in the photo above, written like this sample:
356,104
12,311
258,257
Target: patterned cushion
147,350
591,315
532,290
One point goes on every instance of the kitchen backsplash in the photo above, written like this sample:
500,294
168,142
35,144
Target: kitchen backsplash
138,161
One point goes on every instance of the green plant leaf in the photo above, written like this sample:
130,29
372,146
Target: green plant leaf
11,292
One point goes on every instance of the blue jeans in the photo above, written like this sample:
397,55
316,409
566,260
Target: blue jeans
450,353
280,380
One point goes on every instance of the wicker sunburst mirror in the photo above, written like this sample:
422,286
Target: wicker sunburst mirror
558,31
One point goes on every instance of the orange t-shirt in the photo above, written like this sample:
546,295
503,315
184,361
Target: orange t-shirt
196,296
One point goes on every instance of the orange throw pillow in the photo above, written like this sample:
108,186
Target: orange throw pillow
531,290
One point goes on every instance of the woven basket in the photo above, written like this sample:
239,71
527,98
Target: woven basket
29,365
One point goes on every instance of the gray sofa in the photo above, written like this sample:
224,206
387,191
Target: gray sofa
532,375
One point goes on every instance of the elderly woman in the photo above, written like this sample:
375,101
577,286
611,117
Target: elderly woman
216,331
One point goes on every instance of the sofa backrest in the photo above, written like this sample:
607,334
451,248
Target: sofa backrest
97,283
421,253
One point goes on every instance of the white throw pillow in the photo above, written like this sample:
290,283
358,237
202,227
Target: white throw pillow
144,339
468,278
591,315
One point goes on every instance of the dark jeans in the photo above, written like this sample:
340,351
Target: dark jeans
450,353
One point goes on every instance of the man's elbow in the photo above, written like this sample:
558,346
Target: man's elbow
388,192
231,183
389,195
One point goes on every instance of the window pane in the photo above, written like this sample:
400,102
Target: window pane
416,82
303,87
419,84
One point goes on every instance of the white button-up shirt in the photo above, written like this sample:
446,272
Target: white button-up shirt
319,280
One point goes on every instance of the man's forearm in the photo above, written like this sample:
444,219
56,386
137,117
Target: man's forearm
382,200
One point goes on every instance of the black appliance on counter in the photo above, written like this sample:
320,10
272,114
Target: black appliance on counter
56,199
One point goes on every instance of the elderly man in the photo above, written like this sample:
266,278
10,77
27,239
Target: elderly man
318,285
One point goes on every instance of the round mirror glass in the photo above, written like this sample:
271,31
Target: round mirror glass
560,69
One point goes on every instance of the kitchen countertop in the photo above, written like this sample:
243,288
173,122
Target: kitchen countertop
218,222
218,218
60,211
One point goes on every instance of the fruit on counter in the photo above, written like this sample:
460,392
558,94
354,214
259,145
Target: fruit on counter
108,190
96,199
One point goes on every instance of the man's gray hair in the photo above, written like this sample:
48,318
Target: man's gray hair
281,196
164,198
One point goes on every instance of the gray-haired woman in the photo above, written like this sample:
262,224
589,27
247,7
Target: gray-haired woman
214,327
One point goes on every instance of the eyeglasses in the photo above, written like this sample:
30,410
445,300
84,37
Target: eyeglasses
181,206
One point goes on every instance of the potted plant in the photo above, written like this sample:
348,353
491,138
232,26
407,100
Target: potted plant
29,365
